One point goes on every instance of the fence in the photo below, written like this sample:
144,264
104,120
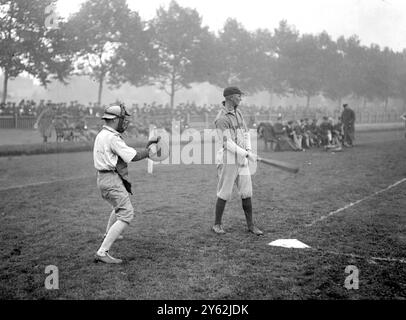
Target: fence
206,119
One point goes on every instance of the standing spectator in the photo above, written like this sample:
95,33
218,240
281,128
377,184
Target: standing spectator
348,119
44,122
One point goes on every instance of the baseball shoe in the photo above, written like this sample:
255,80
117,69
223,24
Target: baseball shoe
120,237
255,231
218,228
106,259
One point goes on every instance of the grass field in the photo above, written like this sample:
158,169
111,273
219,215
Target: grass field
51,213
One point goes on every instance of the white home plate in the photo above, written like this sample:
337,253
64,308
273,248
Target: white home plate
288,243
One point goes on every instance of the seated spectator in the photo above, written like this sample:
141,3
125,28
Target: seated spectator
337,133
325,131
305,133
283,140
292,132
298,134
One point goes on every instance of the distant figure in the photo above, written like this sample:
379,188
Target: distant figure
306,133
60,124
348,120
252,123
337,134
326,129
403,117
281,134
265,132
44,123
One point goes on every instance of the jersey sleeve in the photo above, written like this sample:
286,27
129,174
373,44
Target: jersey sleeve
222,124
119,147
224,133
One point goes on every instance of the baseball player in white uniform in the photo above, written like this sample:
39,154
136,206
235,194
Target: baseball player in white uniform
234,133
111,156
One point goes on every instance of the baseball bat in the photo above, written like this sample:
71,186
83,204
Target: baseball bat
280,165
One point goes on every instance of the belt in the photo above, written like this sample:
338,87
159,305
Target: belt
106,171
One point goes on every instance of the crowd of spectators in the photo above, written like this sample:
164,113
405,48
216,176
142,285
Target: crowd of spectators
74,108
30,108
299,135
144,114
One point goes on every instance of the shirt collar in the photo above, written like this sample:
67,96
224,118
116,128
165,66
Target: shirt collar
224,108
111,129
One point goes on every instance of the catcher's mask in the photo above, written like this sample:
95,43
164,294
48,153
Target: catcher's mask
117,111
123,113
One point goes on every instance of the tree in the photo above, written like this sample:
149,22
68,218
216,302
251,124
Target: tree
235,57
355,58
401,77
284,41
135,56
337,69
381,73
305,76
178,36
99,33
267,70
26,45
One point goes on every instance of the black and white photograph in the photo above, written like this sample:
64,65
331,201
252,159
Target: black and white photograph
222,151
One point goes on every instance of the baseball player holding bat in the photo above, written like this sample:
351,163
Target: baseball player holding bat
111,156
232,159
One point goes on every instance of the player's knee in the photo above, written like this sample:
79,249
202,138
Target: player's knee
246,194
126,216
125,212
225,195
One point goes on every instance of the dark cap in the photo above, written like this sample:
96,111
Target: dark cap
231,90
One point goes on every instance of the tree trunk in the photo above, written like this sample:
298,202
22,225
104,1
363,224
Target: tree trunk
308,102
99,96
4,97
340,100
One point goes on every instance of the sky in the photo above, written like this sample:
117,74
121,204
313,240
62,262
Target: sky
381,22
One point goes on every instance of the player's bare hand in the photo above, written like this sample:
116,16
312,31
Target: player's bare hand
252,156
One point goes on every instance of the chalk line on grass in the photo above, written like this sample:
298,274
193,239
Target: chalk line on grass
352,255
354,203
35,184
337,253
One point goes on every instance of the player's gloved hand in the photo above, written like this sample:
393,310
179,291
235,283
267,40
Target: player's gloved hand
153,140
252,156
